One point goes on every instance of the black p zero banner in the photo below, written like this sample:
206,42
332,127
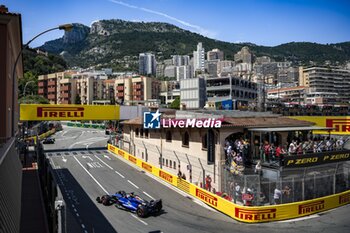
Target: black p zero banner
316,159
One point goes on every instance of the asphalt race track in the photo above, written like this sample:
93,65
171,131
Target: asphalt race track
84,175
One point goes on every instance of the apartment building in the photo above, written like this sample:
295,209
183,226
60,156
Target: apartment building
215,54
199,59
231,88
89,87
67,91
147,64
49,86
327,82
137,90
192,93
288,95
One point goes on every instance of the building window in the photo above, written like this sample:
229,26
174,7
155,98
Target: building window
137,132
168,136
163,161
174,165
170,163
204,142
146,133
166,162
185,139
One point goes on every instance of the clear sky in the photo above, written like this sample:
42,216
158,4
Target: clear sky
263,22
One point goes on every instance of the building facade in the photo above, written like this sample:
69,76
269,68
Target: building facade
147,64
215,54
327,82
192,93
199,59
241,91
10,165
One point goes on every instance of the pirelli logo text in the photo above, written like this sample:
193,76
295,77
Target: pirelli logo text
111,148
166,176
255,215
340,125
121,153
132,159
206,197
312,207
344,199
147,167
61,112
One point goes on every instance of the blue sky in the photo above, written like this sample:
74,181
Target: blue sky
263,22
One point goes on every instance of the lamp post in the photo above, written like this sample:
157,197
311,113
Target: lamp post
25,86
65,27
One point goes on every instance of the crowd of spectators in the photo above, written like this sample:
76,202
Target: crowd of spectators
270,152
309,110
236,154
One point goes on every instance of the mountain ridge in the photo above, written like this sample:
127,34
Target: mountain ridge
111,41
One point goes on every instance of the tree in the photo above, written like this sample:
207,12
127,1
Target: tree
33,99
77,99
176,103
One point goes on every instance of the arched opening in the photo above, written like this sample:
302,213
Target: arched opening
168,136
205,142
186,139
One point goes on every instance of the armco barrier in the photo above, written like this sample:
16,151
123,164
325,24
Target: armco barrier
241,213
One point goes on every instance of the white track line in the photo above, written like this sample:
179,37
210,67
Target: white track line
104,190
138,219
133,184
148,195
104,163
120,174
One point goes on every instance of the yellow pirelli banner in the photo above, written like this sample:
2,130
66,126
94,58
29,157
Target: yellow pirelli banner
245,214
341,124
66,112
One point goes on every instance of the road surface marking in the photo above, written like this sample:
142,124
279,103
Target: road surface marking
133,184
64,159
85,156
104,163
53,164
138,219
302,218
73,206
120,174
148,195
107,157
104,190
182,193
77,214
75,210
83,226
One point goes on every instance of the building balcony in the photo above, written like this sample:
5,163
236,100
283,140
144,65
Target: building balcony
51,89
51,83
42,83
65,88
51,97
121,94
65,95
120,88
42,91
137,86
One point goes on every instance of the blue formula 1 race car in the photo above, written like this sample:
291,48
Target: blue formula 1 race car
132,202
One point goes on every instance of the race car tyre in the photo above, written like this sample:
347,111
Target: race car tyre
141,211
106,201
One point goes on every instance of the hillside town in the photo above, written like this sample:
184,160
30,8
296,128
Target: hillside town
205,80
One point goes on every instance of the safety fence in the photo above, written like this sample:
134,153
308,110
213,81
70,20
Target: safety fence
294,184
241,213
86,125
41,136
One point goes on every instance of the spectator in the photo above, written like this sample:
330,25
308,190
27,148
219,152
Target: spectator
208,183
258,168
292,148
277,196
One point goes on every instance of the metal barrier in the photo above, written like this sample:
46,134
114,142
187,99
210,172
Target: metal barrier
297,184
246,214
54,203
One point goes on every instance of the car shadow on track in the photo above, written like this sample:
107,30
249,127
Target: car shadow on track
82,212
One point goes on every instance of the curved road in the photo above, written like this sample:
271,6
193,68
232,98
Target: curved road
84,175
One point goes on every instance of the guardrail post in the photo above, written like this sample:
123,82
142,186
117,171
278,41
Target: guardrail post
203,173
335,178
146,152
